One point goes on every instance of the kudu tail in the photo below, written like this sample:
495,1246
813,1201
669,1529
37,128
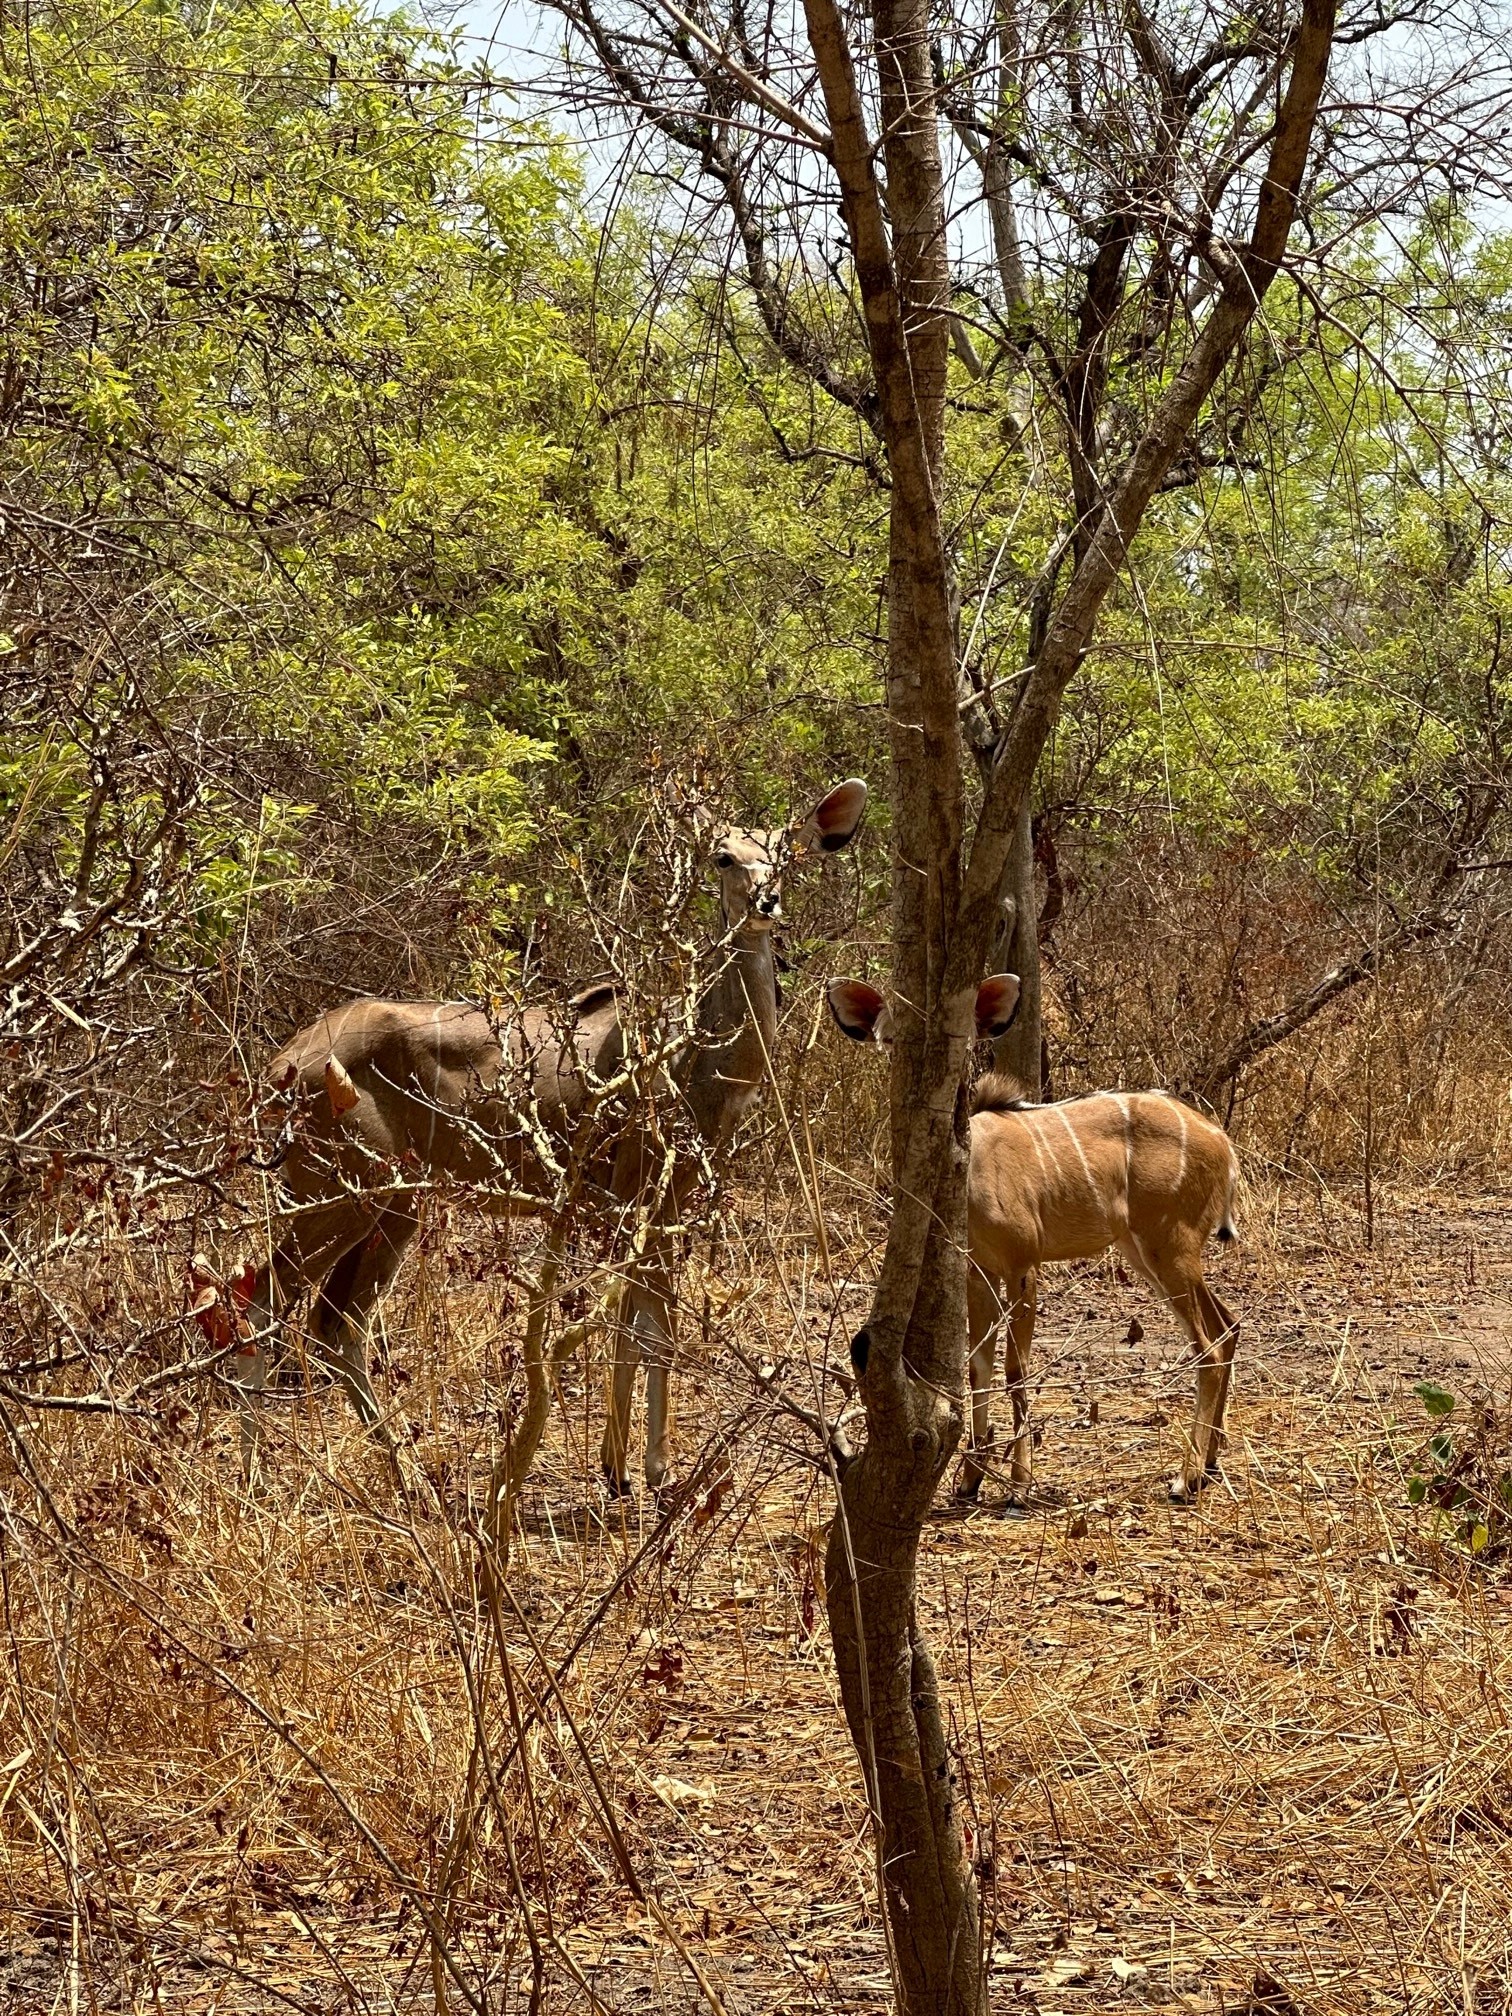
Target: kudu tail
1227,1227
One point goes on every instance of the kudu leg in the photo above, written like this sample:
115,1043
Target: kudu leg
984,1310
1222,1328
1017,1344
656,1320
1214,1335
645,1330
343,1310
250,1374
614,1453
314,1243
986,1301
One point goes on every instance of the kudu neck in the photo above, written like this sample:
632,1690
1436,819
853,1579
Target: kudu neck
742,985
737,1029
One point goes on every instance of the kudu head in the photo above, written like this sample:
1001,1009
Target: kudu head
865,1016
750,861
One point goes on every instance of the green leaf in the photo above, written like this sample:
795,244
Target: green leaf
1437,1399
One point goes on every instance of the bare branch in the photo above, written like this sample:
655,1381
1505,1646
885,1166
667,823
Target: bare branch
758,91
1176,413
1212,1077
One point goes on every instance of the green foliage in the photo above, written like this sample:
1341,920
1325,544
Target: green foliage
1436,1399
751,540
420,533
1304,658
286,360
1463,1474
241,866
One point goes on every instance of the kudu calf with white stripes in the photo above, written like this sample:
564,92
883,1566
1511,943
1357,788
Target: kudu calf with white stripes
1138,1171
394,1096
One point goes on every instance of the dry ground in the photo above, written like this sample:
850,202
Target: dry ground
1254,1756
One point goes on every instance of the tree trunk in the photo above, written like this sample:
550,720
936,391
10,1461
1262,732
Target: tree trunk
911,1357
1020,1049
892,1698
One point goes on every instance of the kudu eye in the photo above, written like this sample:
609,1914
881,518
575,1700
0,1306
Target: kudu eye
724,858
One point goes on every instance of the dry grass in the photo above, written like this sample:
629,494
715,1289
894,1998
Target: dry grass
260,1751
1169,949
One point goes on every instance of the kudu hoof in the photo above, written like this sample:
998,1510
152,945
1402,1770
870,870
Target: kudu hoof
1187,1490
615,1486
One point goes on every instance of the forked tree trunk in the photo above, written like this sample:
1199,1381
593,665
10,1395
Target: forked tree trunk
947,897
911,1355
911,1358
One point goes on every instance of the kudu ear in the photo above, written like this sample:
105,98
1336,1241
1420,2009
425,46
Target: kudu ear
860,1011
996,1004
835,820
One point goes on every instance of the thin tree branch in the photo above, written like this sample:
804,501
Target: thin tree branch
1210,1078
762,94
1070,632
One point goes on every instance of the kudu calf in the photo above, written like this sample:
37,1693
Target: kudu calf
395,1095
1065,1181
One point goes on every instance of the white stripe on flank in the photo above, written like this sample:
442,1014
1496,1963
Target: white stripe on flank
1128,1120
1034,1134
1181,1121
1076,1144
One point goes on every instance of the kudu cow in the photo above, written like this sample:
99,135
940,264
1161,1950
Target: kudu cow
395,1095
1065,1181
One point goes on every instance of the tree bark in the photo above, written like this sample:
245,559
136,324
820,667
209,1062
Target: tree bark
910,1358
1020,1049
